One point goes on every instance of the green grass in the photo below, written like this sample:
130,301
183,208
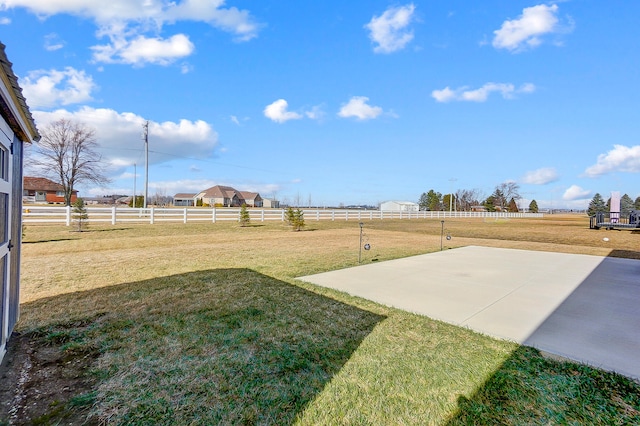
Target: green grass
205,324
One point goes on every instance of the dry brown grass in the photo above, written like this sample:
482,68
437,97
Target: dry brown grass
209,313
56,260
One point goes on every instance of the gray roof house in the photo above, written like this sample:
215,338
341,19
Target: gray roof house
219,195
251,199
184,200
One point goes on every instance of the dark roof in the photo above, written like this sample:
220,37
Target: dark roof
41,184
21,120
219,191
247,195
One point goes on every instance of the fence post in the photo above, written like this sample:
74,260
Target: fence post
262,215
113,215
68,212
185,215
333,215
346,215
213,214
318,214
151,216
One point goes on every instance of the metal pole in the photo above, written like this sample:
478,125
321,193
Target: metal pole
146,163
135,177
360,247
441,233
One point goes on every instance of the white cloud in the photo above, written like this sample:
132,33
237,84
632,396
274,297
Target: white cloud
277,111
141,50
127,24
507,90
120,135
5,21
358,107
389,30
316,113
148,13
574,192
525,32
541,176
52,42
620,159
48,88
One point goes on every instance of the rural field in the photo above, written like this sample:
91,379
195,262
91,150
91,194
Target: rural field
206,324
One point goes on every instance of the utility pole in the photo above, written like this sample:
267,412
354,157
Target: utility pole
146,163
135,177
451,194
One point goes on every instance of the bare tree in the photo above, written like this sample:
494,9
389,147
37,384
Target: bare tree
510,189
67,153
467,198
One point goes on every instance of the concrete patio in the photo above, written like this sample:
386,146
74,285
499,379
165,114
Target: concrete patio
585,308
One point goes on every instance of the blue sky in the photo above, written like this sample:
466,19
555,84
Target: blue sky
343,102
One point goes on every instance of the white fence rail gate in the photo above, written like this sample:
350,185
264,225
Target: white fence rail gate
115,215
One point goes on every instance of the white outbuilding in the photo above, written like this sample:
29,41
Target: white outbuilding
399,206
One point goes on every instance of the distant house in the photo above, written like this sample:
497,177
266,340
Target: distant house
270,204
224,196
17,128
251,199
399,206
219,195
43,190
184,200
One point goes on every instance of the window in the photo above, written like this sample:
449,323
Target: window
59,193
4,163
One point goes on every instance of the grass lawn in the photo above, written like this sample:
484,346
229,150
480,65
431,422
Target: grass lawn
206,324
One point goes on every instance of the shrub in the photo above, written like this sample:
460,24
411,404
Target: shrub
80,213
295,218
244,216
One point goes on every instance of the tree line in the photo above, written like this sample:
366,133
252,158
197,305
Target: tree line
598,205
505,197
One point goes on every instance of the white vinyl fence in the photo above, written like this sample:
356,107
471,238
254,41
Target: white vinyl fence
114,215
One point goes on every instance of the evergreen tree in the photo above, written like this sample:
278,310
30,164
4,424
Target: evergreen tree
244,216
489,204
626,204
513,207
434,200
449,202
637,204
499,198
533,206
596,205
80,213
139,201
295,218
423,203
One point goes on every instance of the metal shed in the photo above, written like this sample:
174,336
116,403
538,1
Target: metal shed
16,128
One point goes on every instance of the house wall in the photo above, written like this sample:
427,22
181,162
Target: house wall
50,197
53,198
399,206
183,202
7,310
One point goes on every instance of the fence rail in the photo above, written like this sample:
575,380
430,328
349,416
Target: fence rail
114,215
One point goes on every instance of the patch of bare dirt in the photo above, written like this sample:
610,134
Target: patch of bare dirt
42,384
